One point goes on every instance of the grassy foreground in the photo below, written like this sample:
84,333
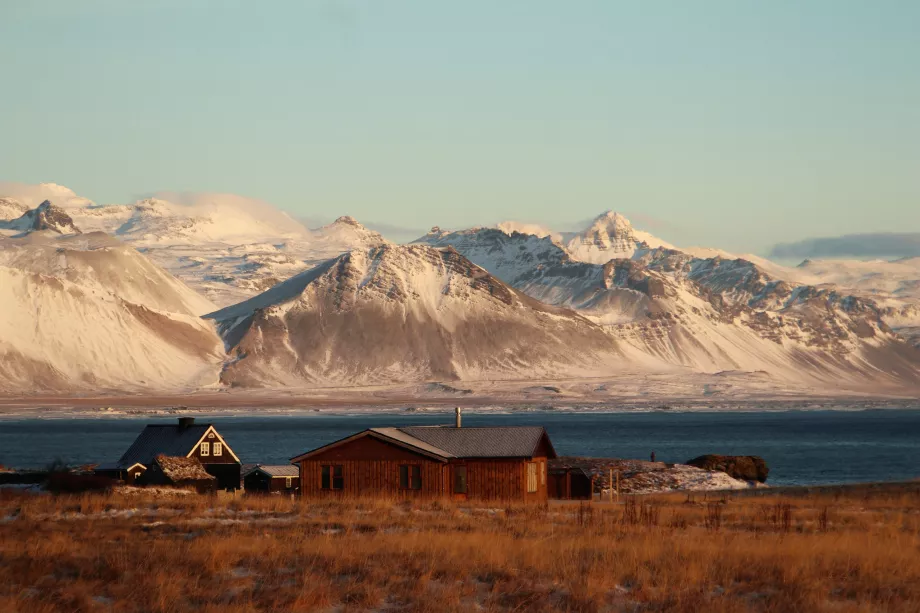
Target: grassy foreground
843,552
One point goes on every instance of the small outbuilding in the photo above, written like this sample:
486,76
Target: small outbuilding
493,463
570,483
280,479
179,471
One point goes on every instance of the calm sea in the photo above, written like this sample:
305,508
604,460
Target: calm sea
801,447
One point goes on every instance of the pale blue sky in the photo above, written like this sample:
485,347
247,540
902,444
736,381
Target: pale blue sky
729,123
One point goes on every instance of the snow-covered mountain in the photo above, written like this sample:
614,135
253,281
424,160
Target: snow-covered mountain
119,306
227,247
86,312
709,314
404,313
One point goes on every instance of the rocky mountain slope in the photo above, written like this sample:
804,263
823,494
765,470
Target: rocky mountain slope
45,217
86,312
404,313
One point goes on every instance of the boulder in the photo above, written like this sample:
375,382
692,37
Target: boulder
747,467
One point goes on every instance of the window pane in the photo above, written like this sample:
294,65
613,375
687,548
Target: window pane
205,448
325,480
337,470
218,449
460,479
338,483
416,477
404,477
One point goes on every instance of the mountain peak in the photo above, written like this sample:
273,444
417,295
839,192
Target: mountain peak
609,236
347,220
45,216
611,221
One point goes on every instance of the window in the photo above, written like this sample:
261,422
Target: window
410,477
218,449
531,477
205,449
333,477
460,479
287,482
542,473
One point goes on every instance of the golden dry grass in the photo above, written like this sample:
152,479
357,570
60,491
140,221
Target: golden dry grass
671,553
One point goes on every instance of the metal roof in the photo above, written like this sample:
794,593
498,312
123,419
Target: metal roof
169,440
496,442
399,435
448,442
286,470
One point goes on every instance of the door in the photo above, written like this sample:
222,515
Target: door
459,485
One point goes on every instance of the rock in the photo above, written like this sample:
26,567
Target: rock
747,467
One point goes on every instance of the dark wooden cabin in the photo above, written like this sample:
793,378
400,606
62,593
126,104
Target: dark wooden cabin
567,483
182,439
502,463
283,479
186,472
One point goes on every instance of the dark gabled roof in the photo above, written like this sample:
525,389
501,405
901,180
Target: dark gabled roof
497,442
286,470
169,440
561,470
447,442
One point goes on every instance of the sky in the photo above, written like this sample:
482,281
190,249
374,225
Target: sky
736,124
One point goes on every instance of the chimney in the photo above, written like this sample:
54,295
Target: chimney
185,422
457,415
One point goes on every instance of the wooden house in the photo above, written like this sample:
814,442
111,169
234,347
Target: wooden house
283,479
182,439
498,463
179,471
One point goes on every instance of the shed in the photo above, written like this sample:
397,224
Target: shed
497,463
570,483
283,478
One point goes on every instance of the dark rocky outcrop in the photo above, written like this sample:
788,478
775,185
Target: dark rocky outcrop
747,467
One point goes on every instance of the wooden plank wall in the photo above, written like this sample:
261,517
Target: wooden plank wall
495,479
374,477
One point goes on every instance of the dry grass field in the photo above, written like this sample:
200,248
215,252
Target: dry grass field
844,552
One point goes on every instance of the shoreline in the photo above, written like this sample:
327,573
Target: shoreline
272,411
358,404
